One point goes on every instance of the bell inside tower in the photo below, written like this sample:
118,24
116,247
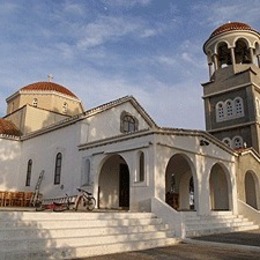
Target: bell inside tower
242,53
224,55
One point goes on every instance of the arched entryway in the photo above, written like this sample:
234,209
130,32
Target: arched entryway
252,189
220,188
179,183
113,189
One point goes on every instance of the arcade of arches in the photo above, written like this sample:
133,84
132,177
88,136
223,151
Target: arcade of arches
181,185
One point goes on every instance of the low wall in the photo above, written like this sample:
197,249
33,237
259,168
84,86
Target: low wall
249,212
174,219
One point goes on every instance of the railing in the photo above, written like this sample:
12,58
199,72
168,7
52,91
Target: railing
15,198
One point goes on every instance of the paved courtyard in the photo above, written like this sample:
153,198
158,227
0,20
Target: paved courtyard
239,245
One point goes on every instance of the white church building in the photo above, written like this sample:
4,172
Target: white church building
117,152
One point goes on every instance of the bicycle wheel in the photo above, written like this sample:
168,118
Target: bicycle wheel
91,203
39,206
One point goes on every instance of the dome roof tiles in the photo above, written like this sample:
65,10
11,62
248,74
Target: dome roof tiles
231,26
48,86
8,128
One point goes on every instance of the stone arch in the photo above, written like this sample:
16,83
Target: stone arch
114,183
223,54
252,189
242,52
180,183
220,188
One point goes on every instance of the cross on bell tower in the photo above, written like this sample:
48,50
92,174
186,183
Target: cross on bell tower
50,77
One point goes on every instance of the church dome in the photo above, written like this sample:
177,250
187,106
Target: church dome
231,26
48,86
8,128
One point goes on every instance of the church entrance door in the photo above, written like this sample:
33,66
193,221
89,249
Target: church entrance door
123,186
114,189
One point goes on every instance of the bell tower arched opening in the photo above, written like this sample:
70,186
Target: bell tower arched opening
224,55
242,52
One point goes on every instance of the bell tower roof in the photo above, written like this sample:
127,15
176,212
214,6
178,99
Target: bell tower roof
231,26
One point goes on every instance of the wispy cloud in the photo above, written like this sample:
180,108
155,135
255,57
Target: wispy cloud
146,48
126,3
111,29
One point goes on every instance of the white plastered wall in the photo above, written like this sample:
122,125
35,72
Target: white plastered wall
10,152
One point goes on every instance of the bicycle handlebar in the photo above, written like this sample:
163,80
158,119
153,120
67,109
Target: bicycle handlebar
81,190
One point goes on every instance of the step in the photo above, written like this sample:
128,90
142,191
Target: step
49,224
210,217
218,222
52,235
41,243
68,252
70,215
208,231
79,232
218,225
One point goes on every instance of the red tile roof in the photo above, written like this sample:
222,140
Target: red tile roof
8,128
48,86
231,26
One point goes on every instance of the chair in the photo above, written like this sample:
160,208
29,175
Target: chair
2,198
8,199
27,199
18,199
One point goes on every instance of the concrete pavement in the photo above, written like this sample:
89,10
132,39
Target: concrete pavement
239,245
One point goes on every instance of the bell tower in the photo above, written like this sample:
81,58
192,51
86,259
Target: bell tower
232,95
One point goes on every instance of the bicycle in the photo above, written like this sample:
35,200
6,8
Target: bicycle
85,200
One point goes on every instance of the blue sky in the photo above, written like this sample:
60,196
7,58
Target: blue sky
105,49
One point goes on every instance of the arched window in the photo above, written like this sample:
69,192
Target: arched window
141,166
85,178
35,102
229,108
227,141
57,172
220,111
29,173
237,142
128,123
239,107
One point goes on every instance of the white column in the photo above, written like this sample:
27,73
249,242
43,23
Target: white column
251,55
203,191
215,62
233,59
